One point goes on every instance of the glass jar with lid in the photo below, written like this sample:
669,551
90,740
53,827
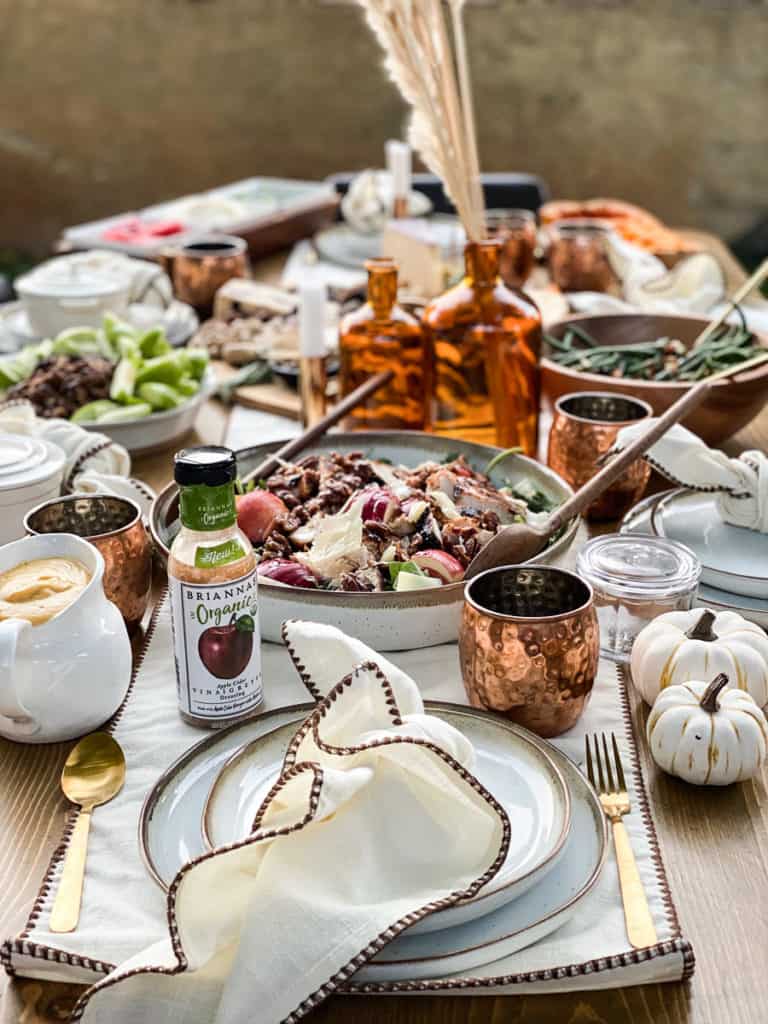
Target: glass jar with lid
635,579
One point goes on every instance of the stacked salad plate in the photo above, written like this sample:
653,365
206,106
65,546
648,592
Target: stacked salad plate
209,797
731,556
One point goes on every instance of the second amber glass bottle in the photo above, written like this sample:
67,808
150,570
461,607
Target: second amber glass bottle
483,341
381,336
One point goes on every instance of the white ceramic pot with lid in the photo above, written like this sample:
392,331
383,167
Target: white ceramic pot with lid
31,471
56,297
69,674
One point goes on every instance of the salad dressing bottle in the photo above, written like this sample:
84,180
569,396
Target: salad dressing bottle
214,600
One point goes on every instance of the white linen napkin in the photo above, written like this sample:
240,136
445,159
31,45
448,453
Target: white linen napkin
374,822
695,286
686,460
95,464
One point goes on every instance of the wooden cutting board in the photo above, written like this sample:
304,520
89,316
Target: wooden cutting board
277,398
274,397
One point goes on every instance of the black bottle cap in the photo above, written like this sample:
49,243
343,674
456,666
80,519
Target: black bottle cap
210,464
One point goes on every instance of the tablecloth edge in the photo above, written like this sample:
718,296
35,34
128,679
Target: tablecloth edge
20,943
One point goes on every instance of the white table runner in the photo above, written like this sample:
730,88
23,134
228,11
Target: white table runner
124,911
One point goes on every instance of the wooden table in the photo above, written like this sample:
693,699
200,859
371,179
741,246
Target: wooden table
714,844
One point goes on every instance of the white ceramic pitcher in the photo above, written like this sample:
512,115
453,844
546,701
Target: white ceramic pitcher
67,676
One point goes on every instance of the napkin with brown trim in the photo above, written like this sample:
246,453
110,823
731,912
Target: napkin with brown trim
375,821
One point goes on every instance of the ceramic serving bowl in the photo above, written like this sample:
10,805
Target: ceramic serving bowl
55,299
31,471
387,621
732,404
158,431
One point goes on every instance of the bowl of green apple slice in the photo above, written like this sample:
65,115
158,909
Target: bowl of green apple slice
142,393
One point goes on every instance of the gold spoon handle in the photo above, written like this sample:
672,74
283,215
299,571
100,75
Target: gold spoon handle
66,906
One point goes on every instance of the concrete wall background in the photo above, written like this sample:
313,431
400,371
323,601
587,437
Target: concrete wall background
112,104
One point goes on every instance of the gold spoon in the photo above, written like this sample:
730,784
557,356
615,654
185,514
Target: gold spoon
92,775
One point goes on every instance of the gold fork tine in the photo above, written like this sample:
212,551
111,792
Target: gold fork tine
614,800
619,769
608,772
601,780
590,770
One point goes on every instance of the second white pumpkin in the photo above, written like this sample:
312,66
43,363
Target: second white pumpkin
707,734
698,644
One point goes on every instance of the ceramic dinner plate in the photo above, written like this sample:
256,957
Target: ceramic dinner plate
754,609
170,834
510,764
730,555
539,912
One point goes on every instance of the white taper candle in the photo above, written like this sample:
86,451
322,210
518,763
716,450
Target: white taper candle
312,298
399,166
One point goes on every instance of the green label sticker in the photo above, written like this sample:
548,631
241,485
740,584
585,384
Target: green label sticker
208,508
220,554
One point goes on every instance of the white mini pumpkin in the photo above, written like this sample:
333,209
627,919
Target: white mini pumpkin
706,734
698,644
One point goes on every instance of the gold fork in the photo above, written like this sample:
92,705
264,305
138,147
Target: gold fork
615,802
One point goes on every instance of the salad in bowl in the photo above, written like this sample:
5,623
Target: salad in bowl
371,531
344,521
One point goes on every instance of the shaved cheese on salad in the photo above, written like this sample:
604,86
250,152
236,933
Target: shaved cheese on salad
338,544
387,475
445,504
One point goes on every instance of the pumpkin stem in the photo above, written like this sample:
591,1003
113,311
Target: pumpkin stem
702,630
709,701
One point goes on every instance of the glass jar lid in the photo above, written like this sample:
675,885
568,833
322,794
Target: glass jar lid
638,566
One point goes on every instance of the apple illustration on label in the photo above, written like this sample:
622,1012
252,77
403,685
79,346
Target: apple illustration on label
226,650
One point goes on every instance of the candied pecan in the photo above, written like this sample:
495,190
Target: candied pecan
277,545
375,530
354,582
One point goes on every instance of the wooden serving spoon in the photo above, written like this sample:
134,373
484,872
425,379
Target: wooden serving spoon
296,444
521,541
311,434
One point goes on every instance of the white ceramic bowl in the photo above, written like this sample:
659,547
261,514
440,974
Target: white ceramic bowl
388,621
161,429
31,472
55,301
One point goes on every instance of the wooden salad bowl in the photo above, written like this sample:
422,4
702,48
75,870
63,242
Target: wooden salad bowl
732,405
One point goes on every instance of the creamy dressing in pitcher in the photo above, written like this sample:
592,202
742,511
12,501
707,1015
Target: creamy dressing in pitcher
40,589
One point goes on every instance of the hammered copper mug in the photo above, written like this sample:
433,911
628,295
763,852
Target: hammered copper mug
529,645
199,267
584,428
115,526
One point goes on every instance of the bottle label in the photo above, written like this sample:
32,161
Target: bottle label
211,557
216,642
207,508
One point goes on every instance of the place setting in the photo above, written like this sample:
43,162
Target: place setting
381,581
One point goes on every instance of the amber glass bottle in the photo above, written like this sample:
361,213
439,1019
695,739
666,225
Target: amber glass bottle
381,336
483,341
